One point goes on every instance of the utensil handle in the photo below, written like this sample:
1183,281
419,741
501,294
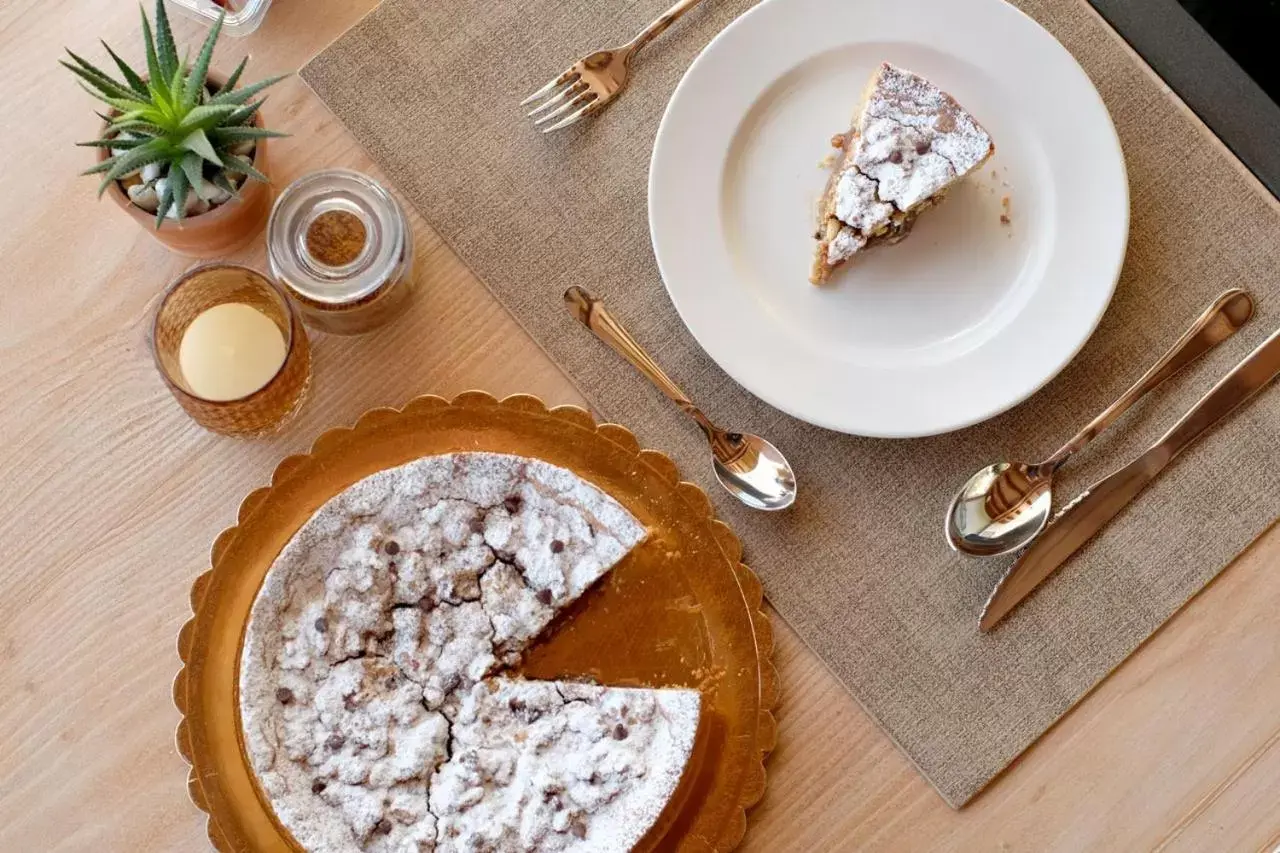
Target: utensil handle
1245,379
1220,321
659,26
590,312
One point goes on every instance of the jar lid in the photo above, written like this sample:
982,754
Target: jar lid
335,237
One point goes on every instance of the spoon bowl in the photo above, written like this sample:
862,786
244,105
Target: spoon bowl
756,474
1000,509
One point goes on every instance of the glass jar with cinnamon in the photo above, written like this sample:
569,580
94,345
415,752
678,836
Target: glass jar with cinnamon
340,245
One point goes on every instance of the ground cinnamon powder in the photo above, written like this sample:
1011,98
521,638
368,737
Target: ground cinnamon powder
335,238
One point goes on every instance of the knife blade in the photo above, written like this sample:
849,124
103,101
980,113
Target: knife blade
1084,516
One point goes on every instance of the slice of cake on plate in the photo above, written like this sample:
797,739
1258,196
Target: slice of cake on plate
909,144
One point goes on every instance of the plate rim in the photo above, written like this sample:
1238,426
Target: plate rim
692,495
848,425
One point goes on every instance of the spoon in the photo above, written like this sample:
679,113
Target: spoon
1004,506
750,468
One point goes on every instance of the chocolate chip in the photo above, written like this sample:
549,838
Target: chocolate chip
284,695
544,595
895,157
318,786
392,547
922,147
322,625
382,827
513,504
817,235
619,732
391,683
516,705
556,546
427,603
335,741
477,525
578,829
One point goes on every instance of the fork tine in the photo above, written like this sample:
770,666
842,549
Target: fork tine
593,106
550,87
569,91
585,98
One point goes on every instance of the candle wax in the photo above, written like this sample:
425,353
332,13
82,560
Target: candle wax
230,351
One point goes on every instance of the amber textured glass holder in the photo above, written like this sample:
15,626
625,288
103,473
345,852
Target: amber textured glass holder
196,291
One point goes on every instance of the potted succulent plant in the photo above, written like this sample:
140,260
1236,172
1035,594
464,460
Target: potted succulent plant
180,146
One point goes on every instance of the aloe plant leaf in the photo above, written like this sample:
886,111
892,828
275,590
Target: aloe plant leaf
177,87
129,105
239,96
204,117
103,166
115,142
133,78
95,93
193,167
198,142
101,82
222,182
240,134
132,161
166,49
180,188
243,115
200,71
236,163
166,201
234,78
154,70
142,128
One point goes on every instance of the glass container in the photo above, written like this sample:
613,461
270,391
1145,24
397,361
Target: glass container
341,247
243,16
195,292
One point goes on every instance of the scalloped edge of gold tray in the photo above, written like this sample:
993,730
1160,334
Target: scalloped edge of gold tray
693,495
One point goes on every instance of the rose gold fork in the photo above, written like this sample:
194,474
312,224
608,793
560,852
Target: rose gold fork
593,81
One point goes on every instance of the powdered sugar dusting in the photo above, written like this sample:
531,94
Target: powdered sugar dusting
914,139
844,244
857,204
386,612
552,767
910,143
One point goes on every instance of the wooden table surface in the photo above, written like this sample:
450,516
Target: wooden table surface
110,498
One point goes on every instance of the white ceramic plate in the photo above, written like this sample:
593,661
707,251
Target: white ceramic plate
965,318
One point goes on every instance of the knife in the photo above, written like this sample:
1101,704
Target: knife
1084,516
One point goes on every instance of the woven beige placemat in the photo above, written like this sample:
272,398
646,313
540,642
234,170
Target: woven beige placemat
858,567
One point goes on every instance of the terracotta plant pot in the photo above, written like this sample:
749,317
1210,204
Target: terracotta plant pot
219,231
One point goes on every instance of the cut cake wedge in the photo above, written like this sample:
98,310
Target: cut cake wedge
909,144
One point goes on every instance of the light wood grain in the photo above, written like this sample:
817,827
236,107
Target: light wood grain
111,497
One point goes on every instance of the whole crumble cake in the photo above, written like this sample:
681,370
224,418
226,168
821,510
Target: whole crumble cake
368,702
